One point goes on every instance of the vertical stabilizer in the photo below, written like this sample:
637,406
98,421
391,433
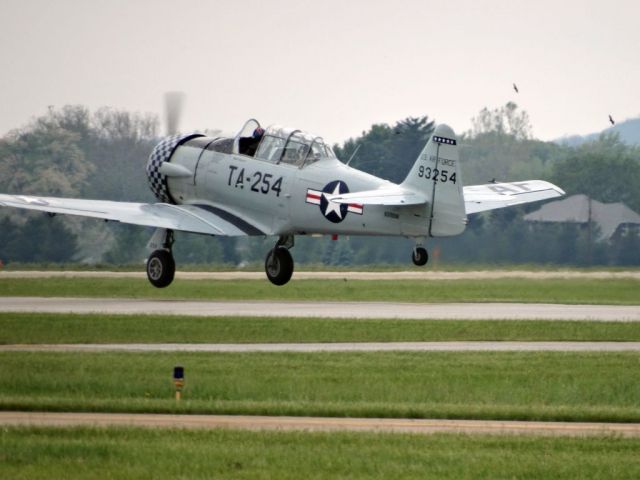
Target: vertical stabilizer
436,174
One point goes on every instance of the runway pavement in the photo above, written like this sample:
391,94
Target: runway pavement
380,310
334,347
415,426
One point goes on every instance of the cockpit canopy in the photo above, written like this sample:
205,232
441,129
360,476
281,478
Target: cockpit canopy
278,144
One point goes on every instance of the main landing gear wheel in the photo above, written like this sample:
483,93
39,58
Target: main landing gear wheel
161,268
420,256
279,266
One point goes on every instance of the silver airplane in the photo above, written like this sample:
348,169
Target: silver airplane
285,182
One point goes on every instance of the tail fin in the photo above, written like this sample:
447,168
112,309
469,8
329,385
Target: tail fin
436,174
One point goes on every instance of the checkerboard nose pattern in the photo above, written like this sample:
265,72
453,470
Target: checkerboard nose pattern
161,153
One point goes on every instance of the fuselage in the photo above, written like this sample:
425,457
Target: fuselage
284,198
278,183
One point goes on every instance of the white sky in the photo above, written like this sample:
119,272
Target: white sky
333,67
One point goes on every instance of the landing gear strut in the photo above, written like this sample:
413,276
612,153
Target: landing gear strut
279,264
161,267
420,256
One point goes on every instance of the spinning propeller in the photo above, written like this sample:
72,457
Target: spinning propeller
173,106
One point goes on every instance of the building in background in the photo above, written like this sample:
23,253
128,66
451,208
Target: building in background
605,222
608,217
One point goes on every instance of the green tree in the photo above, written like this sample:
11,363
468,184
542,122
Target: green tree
41,239
43,158
386,151
70,152
506,120
121,143
607,170
500,147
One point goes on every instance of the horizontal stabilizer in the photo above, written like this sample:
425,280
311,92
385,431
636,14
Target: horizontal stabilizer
391,196
479,198
204,219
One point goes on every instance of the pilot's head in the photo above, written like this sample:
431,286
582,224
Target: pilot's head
258,132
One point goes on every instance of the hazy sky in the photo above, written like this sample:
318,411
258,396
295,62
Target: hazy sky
330,67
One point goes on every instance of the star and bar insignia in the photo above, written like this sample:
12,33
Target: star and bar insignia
332,211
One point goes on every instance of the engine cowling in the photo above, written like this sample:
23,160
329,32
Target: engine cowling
162,152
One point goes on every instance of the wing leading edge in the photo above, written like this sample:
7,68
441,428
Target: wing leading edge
203,219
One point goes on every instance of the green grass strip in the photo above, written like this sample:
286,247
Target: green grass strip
34,328
572,291
487,385
84,453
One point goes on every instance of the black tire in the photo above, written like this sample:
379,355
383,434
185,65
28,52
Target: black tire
420,256
161,268
279,266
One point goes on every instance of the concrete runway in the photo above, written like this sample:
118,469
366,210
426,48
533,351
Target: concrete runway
380,310
334,347
414,426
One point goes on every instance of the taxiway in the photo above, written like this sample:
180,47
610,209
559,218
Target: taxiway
333,347
416,426
379,310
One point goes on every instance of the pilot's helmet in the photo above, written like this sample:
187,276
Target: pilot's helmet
258,132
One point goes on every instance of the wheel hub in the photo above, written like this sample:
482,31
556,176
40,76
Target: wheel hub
273,266
155,268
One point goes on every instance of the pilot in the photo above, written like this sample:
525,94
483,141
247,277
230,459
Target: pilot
254,141
258,133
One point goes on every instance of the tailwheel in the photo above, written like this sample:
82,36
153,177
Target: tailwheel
279,265
420,256
161,268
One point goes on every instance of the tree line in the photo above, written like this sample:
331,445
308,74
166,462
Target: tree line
72,152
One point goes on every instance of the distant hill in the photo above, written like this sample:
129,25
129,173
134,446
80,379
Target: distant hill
629,131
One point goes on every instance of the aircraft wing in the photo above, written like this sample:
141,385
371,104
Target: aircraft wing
204,219
479,198
393,196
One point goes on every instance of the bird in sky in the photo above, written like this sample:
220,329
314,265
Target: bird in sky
515,87
613,122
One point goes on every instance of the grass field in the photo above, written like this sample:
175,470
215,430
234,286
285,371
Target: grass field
527,386
169,454
524,386
33,328
571,291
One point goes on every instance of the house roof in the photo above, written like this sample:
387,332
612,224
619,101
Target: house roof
575,209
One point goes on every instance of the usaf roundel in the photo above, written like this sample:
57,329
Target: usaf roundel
332,211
